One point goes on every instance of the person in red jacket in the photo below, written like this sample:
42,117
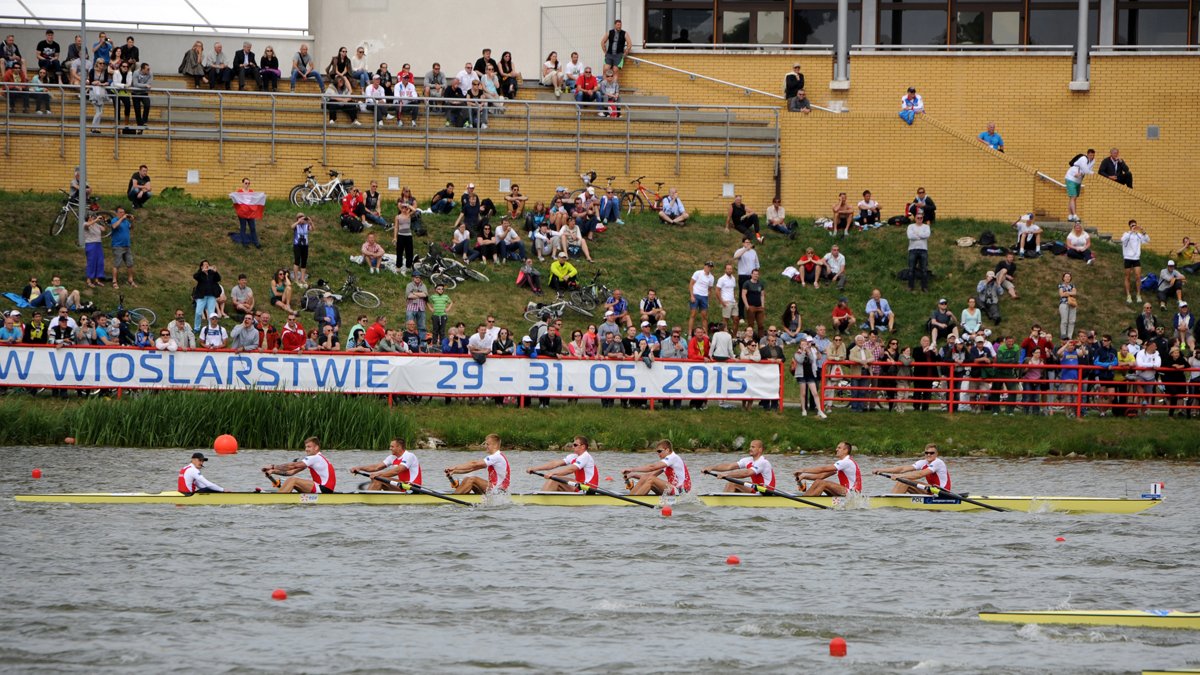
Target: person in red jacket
354,205
377,331
698,345
292,336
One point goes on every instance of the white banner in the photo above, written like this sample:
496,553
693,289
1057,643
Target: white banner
430,375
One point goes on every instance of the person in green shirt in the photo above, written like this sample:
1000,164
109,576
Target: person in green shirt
441,304
1009,352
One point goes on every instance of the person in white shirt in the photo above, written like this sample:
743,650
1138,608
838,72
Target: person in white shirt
1170,282
376,100
727,285
1029,236
406,101
776,219
572,71
192,481
466,77
835,267
1131,251
698,288
359,68
213,336
165,343
552,73
1148,361
720,347
911,105
1081,167
918,253
1079,244
868,209
480,345
672,211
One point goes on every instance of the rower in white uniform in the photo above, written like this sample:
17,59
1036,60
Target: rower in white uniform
579,464
322,478
756,467
931,469
400,465
498,474
190,480
849,478
669,475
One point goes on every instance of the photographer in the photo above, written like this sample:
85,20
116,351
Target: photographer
1131,251
301,229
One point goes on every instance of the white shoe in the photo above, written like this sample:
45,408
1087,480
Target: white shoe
803,413
380,122
390,116
483,126
331,123
413,123
822,415
356,123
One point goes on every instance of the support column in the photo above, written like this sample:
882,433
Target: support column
1108,17
610,13
841,50
1079,75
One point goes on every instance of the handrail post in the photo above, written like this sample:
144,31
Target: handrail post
62,123
220,128
528,136
375,138
727,138
324,133
478,134
778,142
951,393
273,123
8,124
578,136
1079,394
628,136
820,390
168,126
116,129
678,136
428,114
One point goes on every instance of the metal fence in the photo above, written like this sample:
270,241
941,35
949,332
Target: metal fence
573,28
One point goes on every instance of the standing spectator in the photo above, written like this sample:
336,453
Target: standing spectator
360,68
121,225
793,84
862,355
415,294
868,210
208,287
1029,236
672,211
1131,251
1146,323
402,235
992,139
1115,169
268,70
1079,244
918,253
93,231
747,261
122,86
879,313
244,65
1068,304
699,287
743,219
143,81
834,267
1148,361
440,305
217,68
510,77
728,290
616,45
248,209
302,229
1080,166
911,105
843,215
754,299
49,54
610,94
99,81
1170,282
193,64
303,69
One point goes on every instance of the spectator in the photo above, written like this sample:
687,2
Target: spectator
610,94
38,94
292,337
508,242
516,202
455,107
302,229
1006,274
699,287
490,82
988,291
303,69
616,46
776,219
93,232
834,267
727,293
328,316
970,319
98,80
244,65
1174,379
672,211
434,86
1170,282
242,296
328,341
213,335
486,245
340,96
1148,361
1068,304
139,189
879,313
1115,169
1029,236
443,200
586,87
743,219
376,98
281,290
510,77
754,299
570,240
843,215
373,253
793,86
1131,251
54,295
1146,323
193,64
1190,254
843,318
466,77
181,332
165,343
1185,326
477,108
918,253
461,241
529,277
911,105
360,69
868,210
1080,166
339,67
217,68
416,293
862,355
809,268
131,53
651,308
923,203
992,139
102,48
387,80
609,208
13,331
370,204
1079,244
122,87
562,274
572,71
49,53
245,337
208,287
941,322
143,81
268,70
77,61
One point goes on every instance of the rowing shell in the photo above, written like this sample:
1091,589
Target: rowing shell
925,503
1102,617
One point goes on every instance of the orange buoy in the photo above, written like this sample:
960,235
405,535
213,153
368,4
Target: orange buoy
667,511
37,473
1060,539
69,440
837,647
279,594
733,560
225,445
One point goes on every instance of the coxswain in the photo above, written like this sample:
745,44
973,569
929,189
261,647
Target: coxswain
400,465
674,478
579,463
755,467
930,468
190,480
323,480
849,478
498,474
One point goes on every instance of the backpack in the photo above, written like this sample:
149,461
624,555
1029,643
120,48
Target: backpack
310,303
1074,159
899,221
536,331
1150,282
352,224
987,238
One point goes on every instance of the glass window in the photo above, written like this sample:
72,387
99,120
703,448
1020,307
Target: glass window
819,26
969,28
735,27
1158,24
912,27
679,25
1006,28
1057,26
769,28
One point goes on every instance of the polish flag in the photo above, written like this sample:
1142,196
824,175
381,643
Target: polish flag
249,204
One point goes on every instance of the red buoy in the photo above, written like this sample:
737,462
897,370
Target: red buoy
733,560
225,445
279,594
666,510
837,647
37,473
1060,539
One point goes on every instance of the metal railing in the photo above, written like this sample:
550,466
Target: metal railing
745,89
961,48
56,21
537,126
722,47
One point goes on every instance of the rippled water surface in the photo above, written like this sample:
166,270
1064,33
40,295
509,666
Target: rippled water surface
151,589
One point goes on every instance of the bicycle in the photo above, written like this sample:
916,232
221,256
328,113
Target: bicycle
534,310
641,196
589,178
311,193
70,209
136,314
351,288
592,295
448,270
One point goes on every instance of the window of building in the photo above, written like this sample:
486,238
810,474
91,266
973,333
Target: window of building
1152,23
912,23
996,23
762,22
815,23
1052,22
679,22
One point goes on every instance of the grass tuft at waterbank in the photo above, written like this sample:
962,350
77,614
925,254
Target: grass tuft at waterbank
266,420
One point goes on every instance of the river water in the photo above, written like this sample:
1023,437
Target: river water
150,589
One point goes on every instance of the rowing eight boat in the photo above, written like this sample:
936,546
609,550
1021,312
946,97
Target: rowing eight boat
1102,617
925,503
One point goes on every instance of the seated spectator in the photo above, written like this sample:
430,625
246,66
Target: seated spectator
354,205
304,69
743,219
328,315
530,278
776,219
1079,244
834,267
672,211
456,106
809,266
242,296
372,253
793,88
268,70
217,68
466,77
54,295
868,210
486,247
377,101
610,94
552,74
991,138
371,206
193,64
941,322
989,291
563,274
651,308
1006,274
1185,326
328,342
609,208
508,241
923,203
971,319
516,202
461,242
510,79
443,200
879,313
911,105
843,318
572,71
570,241
49,58
340,96
339,67
386,79
1115,169
619,306
477,107
38,94
543,241
843,215
586,87
360,68
1170,282
1029,236
139,189
245,66
13,331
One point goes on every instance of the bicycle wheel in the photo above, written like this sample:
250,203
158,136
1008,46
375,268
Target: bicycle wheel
60,222
579,310
444,280
316,293
139,313
534,315
474,274
632,203
582,298
365,299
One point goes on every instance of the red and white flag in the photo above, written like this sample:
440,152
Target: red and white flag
249,204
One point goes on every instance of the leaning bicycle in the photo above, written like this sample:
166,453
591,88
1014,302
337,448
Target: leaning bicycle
591,295
351,289
311,193
69,212
641,197
137,314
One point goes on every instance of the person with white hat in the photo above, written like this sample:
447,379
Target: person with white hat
1029,236
1170,282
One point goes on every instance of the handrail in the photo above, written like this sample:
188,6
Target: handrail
40,21
1051,180
1145,48
962,48
727,46
744,88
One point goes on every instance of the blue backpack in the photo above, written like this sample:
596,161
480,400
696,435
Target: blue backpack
1150,282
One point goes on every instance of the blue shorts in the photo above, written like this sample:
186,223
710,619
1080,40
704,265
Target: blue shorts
701,303
1073,188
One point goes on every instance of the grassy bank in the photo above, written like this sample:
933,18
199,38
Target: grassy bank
261,420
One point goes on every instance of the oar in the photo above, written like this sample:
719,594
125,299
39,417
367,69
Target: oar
588,489
938,492
273,479
413,487
767,490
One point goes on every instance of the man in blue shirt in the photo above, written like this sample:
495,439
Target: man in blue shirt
121,225
11,332
879,313
992,138
328,315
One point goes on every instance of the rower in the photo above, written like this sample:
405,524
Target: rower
931,468
190,480
324,480
675,477
849,478
495,462
400,464
579,463
755,467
